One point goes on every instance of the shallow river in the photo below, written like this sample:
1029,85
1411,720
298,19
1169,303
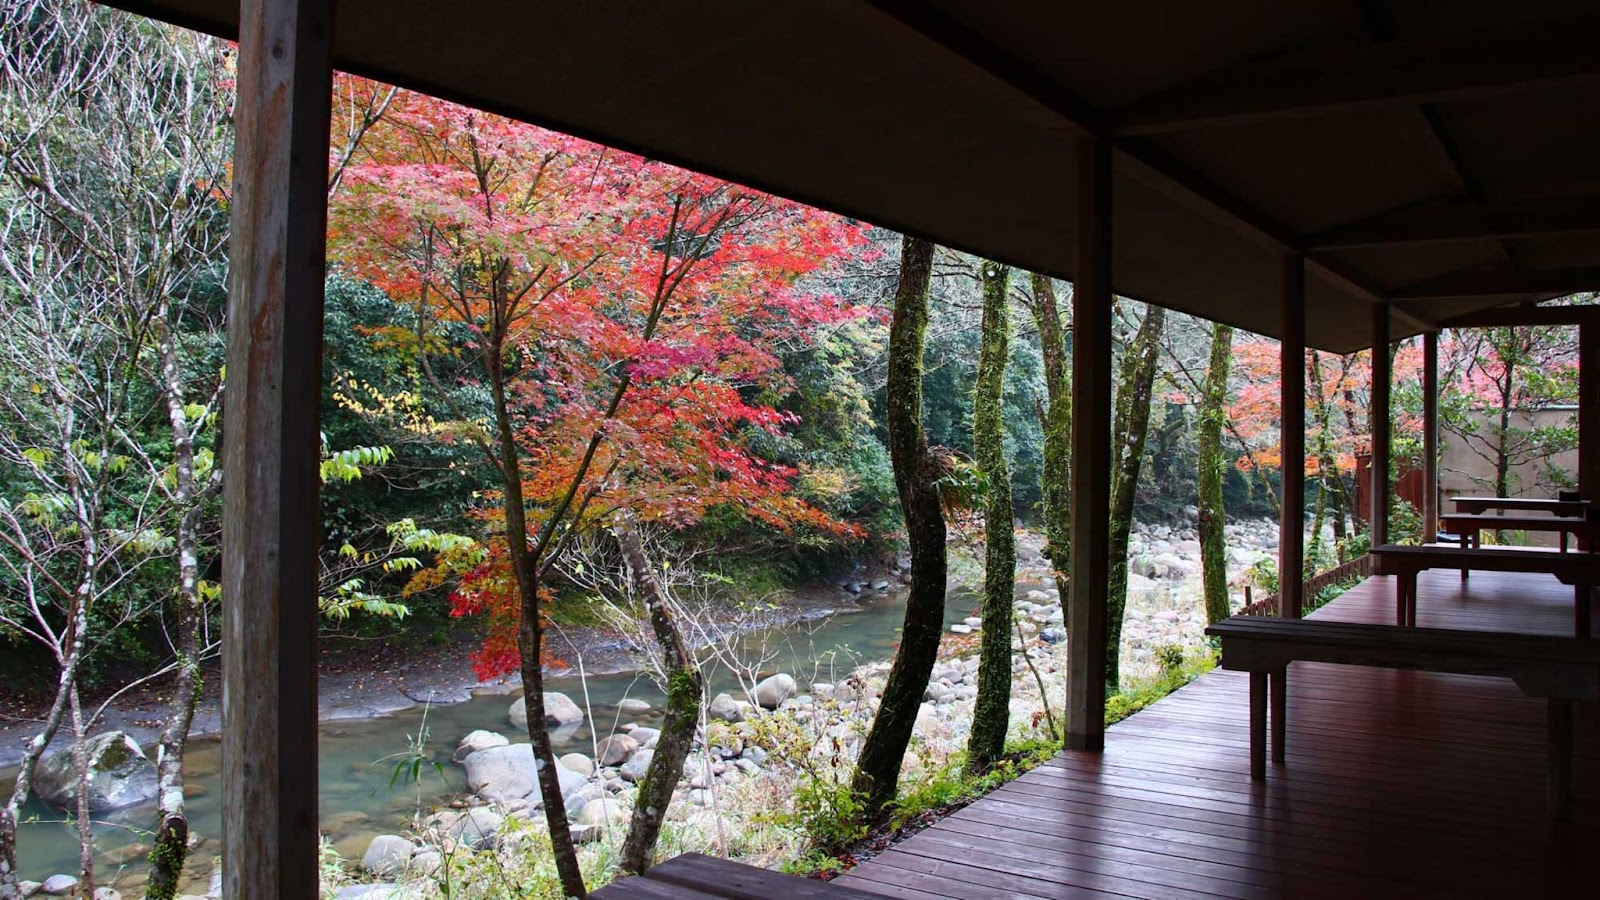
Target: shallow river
358,757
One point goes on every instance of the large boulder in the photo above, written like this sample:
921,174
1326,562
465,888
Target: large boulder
579,763
603,812
59,885
636,767
503,774
478,828
387,855
120,775
615,750
478,740
558,710
770,692
724,708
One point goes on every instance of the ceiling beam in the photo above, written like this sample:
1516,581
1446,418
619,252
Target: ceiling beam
1464,221
1301,83
1500,282
1140,159
1509,316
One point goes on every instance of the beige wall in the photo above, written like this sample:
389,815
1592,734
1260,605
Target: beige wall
1459,465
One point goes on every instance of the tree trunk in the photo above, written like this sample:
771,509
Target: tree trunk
1129,429
915,472
530,643
991,713
66,681
1213,542
171,845
1055,472
685,688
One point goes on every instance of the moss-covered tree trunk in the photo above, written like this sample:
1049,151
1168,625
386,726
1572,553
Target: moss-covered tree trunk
991,714
1213,542
1055,420
915,472
685,687
1130,426
170,849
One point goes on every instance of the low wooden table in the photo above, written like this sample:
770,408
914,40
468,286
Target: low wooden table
1556,669
1468,525
1579,570
1572,508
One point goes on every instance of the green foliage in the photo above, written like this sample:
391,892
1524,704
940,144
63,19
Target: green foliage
1177,670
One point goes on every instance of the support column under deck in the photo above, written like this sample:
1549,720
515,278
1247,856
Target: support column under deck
1589,410
1378,512
1292,400
270,501
1091,451
1430,435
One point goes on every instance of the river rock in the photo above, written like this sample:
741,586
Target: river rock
770,692
880,584
647,737
503,774
558,710
603,812
635,767
59,885
387,855
960,628
579,763
724,708
478,740
633,706
120,775
371,892
478,828
29,888
1053,635
615,750
427,861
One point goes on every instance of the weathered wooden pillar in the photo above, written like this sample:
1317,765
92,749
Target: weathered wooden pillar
1381,378
1430,436
270,517
1292,400
1589,409
1091,451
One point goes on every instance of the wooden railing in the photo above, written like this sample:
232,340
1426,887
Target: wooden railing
1360,567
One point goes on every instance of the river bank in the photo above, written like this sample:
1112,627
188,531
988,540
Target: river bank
838,632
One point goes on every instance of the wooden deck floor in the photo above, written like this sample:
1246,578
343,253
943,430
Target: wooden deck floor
1396,784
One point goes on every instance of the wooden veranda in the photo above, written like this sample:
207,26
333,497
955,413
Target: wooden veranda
1331,173
1396,784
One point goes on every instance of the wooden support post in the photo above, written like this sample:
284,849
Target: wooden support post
1279,686
1379,495
270,514
1430,436
1559,747
1091,451
1589,411
1258,725
1292,400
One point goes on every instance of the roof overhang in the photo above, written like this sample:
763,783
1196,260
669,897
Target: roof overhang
1439,159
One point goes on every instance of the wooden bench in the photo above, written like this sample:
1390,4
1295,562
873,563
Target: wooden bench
1570,508
1579,570
1558,669
695,875
1468,525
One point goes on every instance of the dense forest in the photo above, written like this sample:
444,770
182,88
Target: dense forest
560,379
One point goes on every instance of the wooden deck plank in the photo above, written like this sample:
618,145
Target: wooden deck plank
1408,784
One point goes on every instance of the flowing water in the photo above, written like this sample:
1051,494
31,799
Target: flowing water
360,796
